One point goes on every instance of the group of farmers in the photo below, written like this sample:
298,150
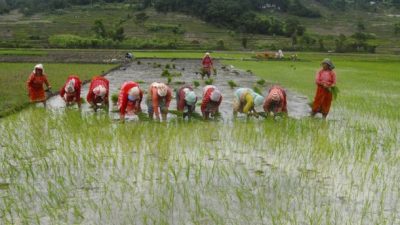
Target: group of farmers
159,95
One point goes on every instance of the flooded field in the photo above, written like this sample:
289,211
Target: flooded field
149,70
64,166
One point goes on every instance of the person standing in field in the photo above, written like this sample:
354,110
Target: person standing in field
186,100
97,95
35,83
129,99
325,80
275,102
158,100
212,99
245,101
207,64
71,91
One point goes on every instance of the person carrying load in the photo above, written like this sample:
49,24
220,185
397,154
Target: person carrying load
35,83
207,64
326,81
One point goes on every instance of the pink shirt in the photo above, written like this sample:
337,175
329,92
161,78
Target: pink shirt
326,77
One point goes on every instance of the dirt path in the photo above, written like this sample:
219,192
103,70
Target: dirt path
148,71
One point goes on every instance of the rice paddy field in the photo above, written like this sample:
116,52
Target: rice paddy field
72,167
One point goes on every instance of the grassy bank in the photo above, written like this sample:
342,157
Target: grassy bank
13,76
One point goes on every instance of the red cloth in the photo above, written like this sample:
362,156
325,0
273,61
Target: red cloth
207,100
276,107
77,94
123,103
180,104
97,81
207,62
155,99
323,97
35,87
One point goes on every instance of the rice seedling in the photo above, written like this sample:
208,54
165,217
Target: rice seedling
165,73
257,90
232,84
114,98
196,83
261,82
209,81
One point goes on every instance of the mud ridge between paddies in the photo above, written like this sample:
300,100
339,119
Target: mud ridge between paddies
146,71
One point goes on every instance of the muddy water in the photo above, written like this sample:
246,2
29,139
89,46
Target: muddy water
149,70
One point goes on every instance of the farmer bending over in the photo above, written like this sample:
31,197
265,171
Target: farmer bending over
275,102
212,98
186,100
129,99
71,91
325,80
245,101
207,65
158,100
97,96
35,85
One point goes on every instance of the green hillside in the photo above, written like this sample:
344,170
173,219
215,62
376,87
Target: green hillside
72,27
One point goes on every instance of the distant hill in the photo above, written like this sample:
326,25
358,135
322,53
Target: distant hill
316,25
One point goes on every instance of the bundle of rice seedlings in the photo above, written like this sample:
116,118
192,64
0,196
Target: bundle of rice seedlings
165,73
257,90
196,83
232,84
261,82
335,91
114,98
209,81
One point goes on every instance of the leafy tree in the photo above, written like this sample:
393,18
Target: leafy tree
99,29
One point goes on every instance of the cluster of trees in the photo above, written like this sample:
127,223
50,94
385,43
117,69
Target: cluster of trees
102,33
359,4
33,6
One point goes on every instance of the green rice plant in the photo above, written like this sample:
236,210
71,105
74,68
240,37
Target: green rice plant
167,66
140,81
232,84
173,66
114,98
257,90
209,81
196,83
138,62
175,74
165,73
179,82
261,82
335,91
169,80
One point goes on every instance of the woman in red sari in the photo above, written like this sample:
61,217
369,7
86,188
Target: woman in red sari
35,85
325,80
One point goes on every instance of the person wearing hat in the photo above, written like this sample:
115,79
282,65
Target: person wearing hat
158,100
186,100
98,92
212,99
275,102
325,80
245,101
35,83
71,91
129,99
207,65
